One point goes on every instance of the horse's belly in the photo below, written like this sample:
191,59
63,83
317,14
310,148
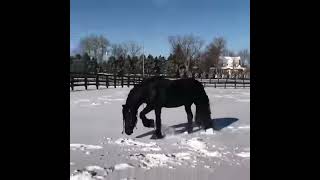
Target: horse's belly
173,105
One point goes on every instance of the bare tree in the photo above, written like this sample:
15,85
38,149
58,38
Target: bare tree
214,51
228,52
245,57
118,50
95,46
190,46
134,49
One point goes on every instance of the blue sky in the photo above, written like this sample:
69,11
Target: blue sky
150,22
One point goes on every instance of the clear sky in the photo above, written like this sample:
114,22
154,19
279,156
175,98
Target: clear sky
150,22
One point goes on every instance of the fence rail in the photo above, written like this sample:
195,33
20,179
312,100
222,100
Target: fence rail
108,80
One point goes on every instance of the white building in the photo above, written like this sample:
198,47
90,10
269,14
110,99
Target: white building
231,64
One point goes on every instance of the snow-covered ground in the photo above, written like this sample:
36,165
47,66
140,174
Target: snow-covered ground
98,150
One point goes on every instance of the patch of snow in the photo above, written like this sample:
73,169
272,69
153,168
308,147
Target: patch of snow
197,144
84,147
94,168
208,132
119,99
151,149
244,127
127,178
183,155
243,100
122,166
95,104
98,177
213,154
244,154
82,176
81,100
130,142
155,160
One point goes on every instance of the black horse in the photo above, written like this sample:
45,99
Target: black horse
158,92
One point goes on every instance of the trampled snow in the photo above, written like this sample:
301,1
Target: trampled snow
96,126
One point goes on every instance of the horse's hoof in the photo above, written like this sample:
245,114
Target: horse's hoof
157,136
189,130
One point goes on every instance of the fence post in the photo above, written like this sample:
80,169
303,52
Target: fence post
114,81
97,81
107,81
235,81
128,82
243,80
122,81
85,81
72,81
134,80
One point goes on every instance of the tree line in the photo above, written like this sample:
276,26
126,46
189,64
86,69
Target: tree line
127,58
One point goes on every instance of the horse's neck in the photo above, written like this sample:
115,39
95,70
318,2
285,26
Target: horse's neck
136,100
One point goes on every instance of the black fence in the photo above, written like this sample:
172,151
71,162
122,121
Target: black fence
109,80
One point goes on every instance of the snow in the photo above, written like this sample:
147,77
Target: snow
82,176
244,127
244,154
197,144
96,126
94,168
122,166
84,147
131,142
151,149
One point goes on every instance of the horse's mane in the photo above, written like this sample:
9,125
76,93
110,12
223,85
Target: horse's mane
144,83
148,80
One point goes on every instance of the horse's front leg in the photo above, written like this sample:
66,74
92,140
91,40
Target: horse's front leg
190,117
158,133
145,121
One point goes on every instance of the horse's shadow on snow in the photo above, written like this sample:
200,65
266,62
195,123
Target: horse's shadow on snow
217,125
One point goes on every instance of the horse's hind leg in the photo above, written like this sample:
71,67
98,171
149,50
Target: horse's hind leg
145,121
158,123
190,117
197,120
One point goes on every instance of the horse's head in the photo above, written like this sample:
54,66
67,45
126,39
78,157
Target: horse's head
129,119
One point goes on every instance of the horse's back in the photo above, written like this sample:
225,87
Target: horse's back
179,92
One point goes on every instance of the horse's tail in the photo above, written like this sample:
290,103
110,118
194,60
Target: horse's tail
203,112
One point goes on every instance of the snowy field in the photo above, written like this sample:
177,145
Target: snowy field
98,150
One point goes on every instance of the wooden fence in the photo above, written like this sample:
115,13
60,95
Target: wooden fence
108,80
